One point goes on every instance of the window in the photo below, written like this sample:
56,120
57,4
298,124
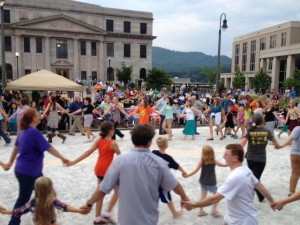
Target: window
39,45
94,75
110,25
94,48
143,51
143,28
244,58
7,41
237,57
83,75
27,72
143,75
283,39
82,47
127,26
6,16
273,41
26,44
270,67
127,50
262,43
252,55
61,49
110,49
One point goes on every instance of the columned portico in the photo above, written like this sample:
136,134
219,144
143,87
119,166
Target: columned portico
76,73
275,73
263,64
102,56
290,67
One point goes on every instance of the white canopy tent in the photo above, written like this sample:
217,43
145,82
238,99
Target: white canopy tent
44,80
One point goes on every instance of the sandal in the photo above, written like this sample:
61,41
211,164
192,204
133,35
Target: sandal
209,139
221,138
200,214
216,214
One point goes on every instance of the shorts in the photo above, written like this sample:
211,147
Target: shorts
88,119
100,178
246,122
230,124
165,196
169,120
210,188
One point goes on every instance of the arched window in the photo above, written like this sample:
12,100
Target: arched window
110,74
143,74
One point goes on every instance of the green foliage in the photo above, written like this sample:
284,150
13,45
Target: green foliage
239,79
211,75
294,80
261,82
124,73
156,78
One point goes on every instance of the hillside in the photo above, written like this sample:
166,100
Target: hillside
186,64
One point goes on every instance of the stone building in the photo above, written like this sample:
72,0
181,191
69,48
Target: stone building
275,49
76,40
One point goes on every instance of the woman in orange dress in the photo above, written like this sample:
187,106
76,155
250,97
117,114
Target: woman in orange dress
107,147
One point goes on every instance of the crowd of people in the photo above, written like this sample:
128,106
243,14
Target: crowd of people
142,177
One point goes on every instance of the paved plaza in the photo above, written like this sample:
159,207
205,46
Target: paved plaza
74,185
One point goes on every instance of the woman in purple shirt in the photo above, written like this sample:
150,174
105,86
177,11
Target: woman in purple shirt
29,147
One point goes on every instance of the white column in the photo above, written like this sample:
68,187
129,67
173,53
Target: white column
47,54
76,73
101,58
275,74
263,64
290,66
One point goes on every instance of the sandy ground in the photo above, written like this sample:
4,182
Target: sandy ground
74,185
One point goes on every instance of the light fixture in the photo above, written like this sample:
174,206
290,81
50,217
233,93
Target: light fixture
2,2
17,54
224,26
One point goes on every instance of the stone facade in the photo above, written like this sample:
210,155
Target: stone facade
76,40
275,49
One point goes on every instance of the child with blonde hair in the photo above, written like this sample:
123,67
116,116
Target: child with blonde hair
44,204
208,181
165,197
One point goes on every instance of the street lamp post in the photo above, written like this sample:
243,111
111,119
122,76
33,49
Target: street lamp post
17,56
224,27
3,67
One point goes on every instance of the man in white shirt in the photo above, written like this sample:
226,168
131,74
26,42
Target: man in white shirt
238,190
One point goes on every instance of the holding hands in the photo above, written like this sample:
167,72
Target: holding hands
4,210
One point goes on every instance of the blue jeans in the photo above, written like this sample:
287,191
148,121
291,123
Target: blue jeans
26,187
2,134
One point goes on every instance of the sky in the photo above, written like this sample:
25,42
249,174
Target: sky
193,25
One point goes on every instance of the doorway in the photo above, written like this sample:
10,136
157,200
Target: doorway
63,72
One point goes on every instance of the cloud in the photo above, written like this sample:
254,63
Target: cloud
192,25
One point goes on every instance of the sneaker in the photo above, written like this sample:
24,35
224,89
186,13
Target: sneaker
71,134
82,134
197,133
87,141
7,143
105,220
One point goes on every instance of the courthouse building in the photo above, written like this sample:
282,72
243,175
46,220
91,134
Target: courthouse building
76,40
275,49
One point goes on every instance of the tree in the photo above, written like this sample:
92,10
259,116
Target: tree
261,82
294,80
211,75
124,73
156,78
239,79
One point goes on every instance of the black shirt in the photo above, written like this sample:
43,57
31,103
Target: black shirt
87,109
172,163
269,116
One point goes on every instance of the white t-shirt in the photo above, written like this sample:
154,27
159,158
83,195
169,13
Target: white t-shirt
189,114
238,189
